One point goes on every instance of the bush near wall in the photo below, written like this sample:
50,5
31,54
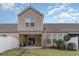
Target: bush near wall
60,44
71,46
54,43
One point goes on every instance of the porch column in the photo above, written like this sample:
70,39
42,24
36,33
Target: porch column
43,41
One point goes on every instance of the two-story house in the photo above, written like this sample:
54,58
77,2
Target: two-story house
31,31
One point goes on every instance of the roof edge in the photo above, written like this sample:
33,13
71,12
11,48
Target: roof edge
30,7
60,23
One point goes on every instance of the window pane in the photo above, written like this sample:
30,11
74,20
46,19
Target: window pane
32,24
54,41
27,24
3,35
59,36
49,38
54,36
27,20
48,41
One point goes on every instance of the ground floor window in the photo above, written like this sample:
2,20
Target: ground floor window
60,36
48,38
54,38
48,41
51,38
3,35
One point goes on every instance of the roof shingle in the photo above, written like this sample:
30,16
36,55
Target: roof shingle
30,7
47,28
61,27
8,28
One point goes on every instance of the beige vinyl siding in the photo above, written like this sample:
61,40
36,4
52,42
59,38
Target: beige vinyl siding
9,35
37,18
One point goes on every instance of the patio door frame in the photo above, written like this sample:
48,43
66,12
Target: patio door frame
31,43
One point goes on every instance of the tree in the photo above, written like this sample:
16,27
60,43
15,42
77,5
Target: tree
66,38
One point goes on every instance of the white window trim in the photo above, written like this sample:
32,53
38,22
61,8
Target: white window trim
51,37
29,21
61,36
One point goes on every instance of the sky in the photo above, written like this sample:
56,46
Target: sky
53,12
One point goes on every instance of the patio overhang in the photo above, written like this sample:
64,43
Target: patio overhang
30,32
73,32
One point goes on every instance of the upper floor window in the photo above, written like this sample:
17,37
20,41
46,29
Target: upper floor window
29,22
32,23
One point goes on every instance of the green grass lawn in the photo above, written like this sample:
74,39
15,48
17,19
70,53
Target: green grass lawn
39,52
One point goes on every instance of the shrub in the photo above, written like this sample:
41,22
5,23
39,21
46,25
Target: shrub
60,44
71,46
54,43
54,40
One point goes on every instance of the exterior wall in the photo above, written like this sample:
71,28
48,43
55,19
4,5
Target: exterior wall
38,21
45,35
11,35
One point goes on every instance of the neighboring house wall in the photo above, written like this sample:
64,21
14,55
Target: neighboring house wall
49,37
33,15
10,35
